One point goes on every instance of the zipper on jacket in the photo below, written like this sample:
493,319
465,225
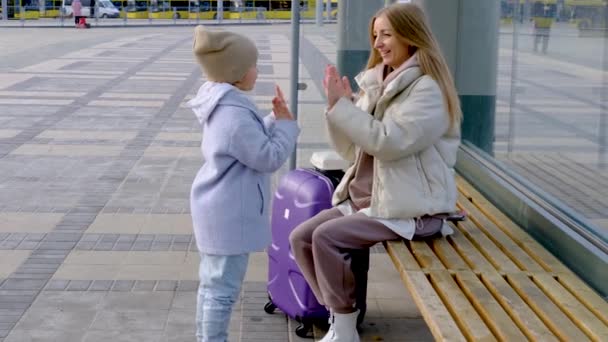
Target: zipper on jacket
261,198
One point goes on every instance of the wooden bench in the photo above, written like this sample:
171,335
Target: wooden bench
492,281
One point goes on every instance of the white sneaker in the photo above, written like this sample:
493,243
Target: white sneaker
343,328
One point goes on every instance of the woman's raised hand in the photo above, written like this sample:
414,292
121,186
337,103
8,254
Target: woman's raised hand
335,87
279,106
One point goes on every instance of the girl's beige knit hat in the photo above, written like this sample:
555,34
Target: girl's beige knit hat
224,56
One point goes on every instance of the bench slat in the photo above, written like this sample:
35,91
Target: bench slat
526,242
441,323
553,317
425,256
469,253
487,247
521,313
459,306
448,256
503,241
586,295
581,316
490,310
398,250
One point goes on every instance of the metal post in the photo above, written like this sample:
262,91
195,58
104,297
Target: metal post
149,14
188,12
174,15
512,101
295,69
96,15
22,15
603,129
220,11
198,13
5,10
61,15
319,12
124,18
327,9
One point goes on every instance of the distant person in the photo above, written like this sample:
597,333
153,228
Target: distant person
92,9
77,11
229,199
542,30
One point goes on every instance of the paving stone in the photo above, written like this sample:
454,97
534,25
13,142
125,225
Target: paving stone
54,262
19,275
62,237
56,285
104,246
23,284
34,237
101,285
144,285
57,245
160,246
166,285
142,246
16,299
9,319
85,246
123,285
123,246
187,285
14,305
79,285
43,253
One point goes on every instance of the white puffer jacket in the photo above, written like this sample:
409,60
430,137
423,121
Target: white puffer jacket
414,148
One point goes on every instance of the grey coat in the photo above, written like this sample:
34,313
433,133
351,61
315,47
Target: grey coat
229,199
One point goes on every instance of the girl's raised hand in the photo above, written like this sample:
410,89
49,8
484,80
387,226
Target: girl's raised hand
279,106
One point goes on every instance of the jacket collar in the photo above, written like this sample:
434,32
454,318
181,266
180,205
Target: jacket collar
370,81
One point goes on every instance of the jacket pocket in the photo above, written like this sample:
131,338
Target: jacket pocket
261,198
424,180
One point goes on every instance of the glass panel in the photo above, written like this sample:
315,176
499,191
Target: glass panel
551,109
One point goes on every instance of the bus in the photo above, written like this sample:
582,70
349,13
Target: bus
277,9
208,9
163,9
543,12
588,14
31,9
51,9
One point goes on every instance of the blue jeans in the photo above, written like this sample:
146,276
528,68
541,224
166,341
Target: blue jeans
221,277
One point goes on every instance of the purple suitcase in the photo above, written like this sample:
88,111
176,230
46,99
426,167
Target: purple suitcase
301,194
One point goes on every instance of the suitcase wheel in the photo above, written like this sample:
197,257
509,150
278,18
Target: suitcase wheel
304,330
270,307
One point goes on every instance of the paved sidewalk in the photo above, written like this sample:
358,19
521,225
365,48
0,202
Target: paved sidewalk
97,154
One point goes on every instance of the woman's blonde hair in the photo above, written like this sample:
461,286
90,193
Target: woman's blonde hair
409,23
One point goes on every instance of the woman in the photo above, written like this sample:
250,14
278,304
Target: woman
402,136
77,11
